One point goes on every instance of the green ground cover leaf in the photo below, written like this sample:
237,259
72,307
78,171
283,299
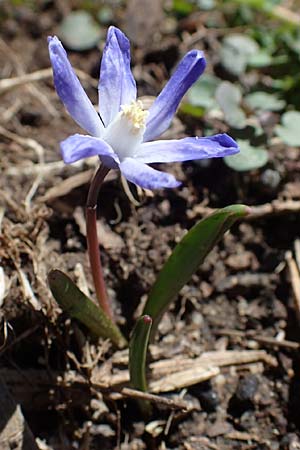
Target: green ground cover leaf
78,31
264,101
249,158
289,131
229,98
236,51
202,93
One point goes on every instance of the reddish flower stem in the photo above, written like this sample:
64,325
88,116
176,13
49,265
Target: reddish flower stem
93,242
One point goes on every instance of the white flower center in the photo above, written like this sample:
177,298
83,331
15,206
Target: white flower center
125,133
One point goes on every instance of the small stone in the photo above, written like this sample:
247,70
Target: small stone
270,178
207,396
290,442
247,388
239,261
243,399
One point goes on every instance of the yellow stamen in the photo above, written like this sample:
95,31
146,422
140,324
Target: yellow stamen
135,114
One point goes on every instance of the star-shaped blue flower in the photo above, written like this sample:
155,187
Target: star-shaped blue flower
124,136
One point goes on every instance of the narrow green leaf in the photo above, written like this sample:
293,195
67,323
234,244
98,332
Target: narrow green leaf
186,258
137,357
80,307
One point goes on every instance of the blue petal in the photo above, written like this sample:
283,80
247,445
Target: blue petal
116,85
166,104
146,177
187,149
80,146
70,90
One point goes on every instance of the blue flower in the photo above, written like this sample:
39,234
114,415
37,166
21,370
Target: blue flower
123,136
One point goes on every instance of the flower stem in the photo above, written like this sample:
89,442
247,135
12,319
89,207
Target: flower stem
92,240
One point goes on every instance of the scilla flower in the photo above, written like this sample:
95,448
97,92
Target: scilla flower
123,134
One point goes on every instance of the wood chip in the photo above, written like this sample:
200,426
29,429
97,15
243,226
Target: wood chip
242,436
67,185
212,359
183,379
165,375
107,238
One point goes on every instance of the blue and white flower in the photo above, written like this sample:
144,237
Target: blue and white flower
123,133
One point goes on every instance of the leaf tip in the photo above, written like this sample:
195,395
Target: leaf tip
53,275
147,319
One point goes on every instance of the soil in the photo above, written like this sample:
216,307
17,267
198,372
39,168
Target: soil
240,299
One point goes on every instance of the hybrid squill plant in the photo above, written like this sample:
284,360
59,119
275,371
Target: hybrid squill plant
124,136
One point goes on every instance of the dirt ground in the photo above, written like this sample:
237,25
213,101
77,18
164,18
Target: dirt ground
239,310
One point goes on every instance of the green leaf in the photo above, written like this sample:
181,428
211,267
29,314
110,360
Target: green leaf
186,258
264,59
105,15
79,31
260,59
229,98
137,357
194,111
289,131
182,7
249,158
202,93
236,51
206,5
80,307
264,102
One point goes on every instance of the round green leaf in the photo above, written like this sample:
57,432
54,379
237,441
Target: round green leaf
202,93
289,131
79,31
260,59
264,101
236,51
229,97
206,5
249,158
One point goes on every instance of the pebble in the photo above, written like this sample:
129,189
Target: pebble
243,399
207,396
271,179
247,388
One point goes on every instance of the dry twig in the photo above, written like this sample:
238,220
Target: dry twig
40,75
277,207
169,403
268,340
